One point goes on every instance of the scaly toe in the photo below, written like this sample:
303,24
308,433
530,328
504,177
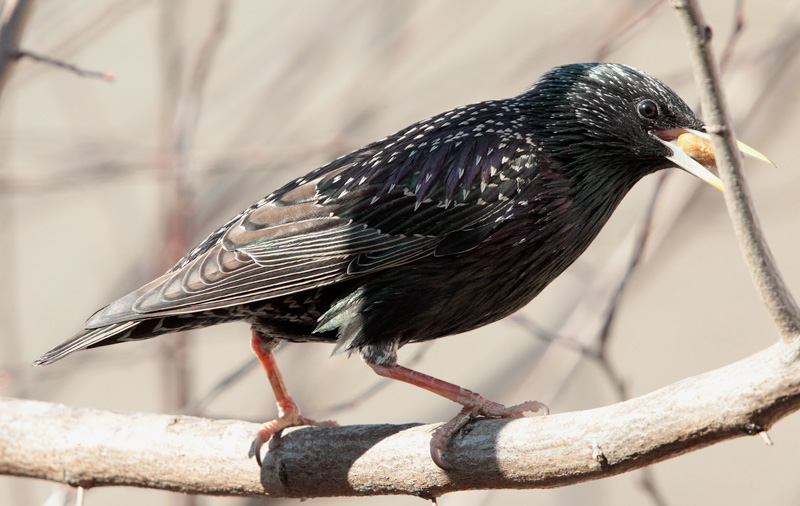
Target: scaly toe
292,419
441,436
494,410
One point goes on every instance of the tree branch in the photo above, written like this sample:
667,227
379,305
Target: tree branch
769,283
89,448
61,64
14,16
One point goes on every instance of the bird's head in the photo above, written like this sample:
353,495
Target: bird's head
616,120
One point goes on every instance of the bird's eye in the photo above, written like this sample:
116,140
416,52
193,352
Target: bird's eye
648,109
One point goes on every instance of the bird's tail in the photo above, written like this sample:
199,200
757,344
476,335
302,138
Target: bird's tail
88,338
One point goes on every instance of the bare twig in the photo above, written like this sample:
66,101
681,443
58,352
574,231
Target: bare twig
776,296
89,448
181,116
15,15
69,67
13,19
372,390
90,27
640,243
176,199
630,29
648,484
221,386
738,27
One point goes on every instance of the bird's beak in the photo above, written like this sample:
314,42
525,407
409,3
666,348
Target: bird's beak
693,152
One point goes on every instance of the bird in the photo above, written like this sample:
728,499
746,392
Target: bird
450,224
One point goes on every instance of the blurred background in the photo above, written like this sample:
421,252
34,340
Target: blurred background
216,103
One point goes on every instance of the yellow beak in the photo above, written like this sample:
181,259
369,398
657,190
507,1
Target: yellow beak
693,153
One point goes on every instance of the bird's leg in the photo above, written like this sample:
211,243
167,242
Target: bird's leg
288,412
474,404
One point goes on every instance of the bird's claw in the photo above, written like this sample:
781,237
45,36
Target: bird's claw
479,408
489,409
291,419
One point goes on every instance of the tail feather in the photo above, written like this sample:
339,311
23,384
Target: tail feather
88,338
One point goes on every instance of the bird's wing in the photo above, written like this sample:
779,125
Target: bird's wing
384,205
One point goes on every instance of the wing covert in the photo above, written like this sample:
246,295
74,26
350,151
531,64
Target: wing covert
387,204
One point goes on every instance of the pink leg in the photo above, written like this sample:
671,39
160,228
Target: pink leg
288,412
474,404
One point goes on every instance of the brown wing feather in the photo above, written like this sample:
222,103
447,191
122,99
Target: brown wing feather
383,205
277,249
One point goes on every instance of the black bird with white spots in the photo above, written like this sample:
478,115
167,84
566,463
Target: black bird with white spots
447,225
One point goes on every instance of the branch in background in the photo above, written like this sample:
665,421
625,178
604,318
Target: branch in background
198,407
106,76
628,31
180,119
371,391
90,448
15,15
738,28
88,28
771,287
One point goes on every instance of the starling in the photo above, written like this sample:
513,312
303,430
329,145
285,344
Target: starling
451,223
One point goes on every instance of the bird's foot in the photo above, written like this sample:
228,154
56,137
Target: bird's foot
290,419
477,406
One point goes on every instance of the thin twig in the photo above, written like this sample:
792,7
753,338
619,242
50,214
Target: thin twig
630,29
372,390
85,30
178,144
648,484
15,17
738,28
69,67
636,256
226,382
769,283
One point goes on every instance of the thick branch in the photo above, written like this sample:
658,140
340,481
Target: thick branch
776,296
92,448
